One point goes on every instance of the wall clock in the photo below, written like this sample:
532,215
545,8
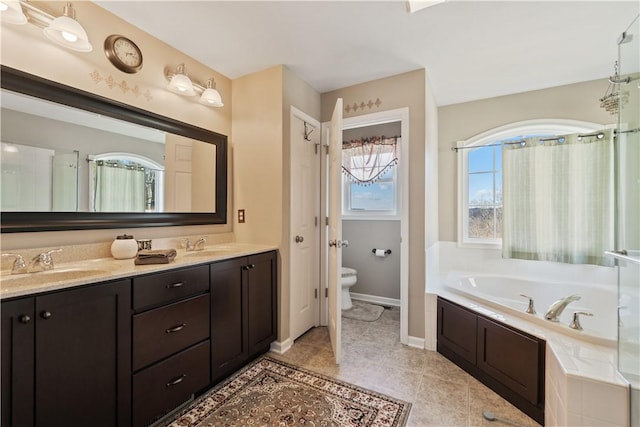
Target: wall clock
124,54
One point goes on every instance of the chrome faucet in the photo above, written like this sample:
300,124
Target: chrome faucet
19,266
558,307
198,245
42,262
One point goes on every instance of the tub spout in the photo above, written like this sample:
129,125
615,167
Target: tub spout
558,307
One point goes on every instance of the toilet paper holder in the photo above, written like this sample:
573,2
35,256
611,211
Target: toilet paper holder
386,251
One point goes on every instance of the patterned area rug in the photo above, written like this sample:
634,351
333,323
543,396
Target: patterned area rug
269,392
363,311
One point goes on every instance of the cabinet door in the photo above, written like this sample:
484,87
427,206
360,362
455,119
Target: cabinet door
510,357
262,277
457,330
83,357
17,362
229,339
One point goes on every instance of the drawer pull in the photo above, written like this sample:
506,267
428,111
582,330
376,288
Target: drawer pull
175,285
176,381
176,328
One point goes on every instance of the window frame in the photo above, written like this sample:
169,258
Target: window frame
347,212
492,136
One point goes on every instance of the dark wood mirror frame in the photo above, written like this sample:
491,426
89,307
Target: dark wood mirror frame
28,84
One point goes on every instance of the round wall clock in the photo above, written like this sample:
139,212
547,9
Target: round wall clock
123,53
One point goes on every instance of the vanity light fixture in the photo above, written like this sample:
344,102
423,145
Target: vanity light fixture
211,96
12,12
181,84
63,30
67,32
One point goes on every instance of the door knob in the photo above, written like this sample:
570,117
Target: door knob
299,239
345,243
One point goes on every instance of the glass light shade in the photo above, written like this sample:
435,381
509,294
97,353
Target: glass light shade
68,32
12,12
181,84
211,97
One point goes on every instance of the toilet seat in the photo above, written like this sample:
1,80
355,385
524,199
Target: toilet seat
346,272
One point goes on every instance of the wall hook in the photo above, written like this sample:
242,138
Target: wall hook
307,132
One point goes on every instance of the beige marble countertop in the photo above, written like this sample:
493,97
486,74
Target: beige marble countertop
70,274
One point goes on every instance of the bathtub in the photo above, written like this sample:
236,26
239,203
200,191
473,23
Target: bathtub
503,293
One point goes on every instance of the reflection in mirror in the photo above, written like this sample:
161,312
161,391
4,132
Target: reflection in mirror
64,174
61,159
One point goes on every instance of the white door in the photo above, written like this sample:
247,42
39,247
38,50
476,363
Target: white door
335,228
305,231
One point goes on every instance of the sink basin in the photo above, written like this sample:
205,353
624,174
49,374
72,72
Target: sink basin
210,252
56,275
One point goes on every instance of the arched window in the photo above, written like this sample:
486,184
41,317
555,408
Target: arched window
480,175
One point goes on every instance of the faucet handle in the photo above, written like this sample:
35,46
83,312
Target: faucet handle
19,265
530,309
575,323
45,258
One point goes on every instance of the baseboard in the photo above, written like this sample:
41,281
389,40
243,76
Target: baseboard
388,302
416,342
279,347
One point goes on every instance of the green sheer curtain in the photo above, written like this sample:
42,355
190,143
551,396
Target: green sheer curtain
558,198
119,187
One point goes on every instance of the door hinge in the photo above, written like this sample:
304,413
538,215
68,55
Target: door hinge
326,292
326,220
315,221
315,293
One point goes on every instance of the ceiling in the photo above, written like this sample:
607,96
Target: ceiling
470,49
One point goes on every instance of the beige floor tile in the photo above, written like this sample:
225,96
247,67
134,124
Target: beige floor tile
441,393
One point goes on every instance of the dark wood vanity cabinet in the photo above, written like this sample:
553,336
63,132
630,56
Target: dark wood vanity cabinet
507,360
128,352
171,346
243,311
66,358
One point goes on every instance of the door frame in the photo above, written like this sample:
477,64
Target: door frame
401,115
296,113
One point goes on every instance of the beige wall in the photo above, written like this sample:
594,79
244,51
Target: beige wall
261,128
25,48
458,122
403,90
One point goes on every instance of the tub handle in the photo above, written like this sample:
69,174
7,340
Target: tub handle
530,309
575,323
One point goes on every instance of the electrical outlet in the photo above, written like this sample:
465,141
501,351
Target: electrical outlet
241,216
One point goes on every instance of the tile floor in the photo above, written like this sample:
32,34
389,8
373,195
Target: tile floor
441,393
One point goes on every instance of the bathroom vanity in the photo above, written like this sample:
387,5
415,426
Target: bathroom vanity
124,351
509,361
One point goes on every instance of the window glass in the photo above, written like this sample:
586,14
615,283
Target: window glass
379,196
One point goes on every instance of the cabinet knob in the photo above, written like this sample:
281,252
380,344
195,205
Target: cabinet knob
248,266
24,318
45,314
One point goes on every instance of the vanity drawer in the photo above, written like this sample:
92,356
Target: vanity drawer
160,288
163,331
162,387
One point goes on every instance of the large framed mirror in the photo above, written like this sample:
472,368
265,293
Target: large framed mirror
73,160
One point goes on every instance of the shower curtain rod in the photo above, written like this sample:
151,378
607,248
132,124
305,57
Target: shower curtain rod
600,135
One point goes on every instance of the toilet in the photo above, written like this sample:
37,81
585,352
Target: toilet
349,278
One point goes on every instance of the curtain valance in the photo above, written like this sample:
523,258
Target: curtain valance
364,160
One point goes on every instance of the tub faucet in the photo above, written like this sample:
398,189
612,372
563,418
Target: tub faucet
558,307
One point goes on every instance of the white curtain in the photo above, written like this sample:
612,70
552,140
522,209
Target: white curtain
558,199
365,160
119,187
